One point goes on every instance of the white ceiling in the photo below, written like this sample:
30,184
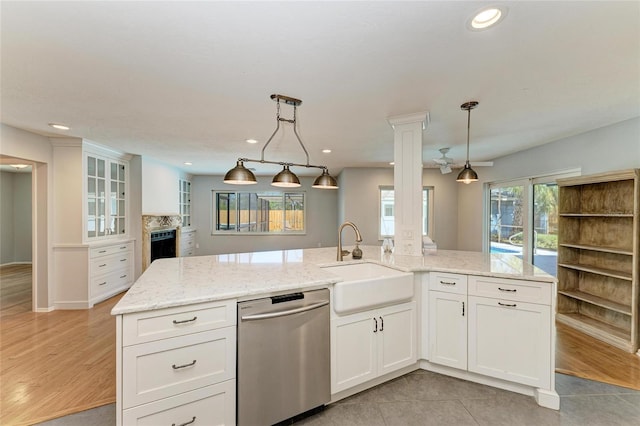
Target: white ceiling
190,81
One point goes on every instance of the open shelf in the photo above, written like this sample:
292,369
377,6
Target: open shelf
630,215
605,332
602,249
600,271
598,235
598,301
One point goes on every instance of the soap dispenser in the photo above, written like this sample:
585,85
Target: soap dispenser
357,253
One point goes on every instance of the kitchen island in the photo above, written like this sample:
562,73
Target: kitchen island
448,285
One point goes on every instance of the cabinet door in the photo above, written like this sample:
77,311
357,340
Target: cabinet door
448,329
510,340
96,197
353,350
396,337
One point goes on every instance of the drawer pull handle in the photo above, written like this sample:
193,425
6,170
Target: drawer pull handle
123,260
447,282
123,276
102,251
102,283
178,367
102,266
123,247
463,308
185,424
507,305
510,290
185,321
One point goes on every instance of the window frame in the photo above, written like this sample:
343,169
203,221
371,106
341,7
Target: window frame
269,193
427,222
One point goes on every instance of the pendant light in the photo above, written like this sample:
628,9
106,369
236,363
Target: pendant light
468,175
240,175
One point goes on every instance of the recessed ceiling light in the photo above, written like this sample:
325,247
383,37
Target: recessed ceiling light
59,126
486,18
19,166
326,151
392,163
252,141
188,163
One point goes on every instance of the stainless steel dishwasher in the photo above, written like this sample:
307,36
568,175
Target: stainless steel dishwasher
283,357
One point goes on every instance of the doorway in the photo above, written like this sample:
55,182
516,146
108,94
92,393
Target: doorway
17,263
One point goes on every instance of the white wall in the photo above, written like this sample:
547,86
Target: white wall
6,218
610,148
160,188
359,198
322,220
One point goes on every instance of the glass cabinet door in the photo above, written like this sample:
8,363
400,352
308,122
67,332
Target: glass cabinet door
105,197
96,197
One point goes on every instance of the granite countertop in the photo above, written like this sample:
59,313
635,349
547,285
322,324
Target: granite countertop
187,280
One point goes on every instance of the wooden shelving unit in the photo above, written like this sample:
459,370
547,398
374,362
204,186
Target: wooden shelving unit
598,261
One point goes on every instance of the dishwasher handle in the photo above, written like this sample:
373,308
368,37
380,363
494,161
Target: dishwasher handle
284,313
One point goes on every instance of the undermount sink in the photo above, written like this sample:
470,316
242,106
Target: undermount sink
368,285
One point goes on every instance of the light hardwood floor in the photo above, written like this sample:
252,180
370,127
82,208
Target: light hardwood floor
55,363
62,362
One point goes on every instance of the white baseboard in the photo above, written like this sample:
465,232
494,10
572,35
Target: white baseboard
69,305
45,310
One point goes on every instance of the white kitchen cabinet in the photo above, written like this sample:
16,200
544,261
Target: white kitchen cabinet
187,242
111,270
106,196
510,340
495,327
177,364
448,329
372,343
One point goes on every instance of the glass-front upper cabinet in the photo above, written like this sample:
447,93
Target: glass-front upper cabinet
106,197
184,192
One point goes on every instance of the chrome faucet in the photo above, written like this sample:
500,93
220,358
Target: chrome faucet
358,238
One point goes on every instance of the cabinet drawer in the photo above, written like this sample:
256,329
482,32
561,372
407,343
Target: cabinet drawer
106,264
109,250
106,283
168,367
506,289
450,283
211,405
172,322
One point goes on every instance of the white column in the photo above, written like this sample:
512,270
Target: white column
407,177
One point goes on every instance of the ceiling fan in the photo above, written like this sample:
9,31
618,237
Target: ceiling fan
446,163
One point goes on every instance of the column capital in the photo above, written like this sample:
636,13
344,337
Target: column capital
416,117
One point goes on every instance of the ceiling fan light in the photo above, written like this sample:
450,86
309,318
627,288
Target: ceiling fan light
467,175
240,175
286,179
325,181
445,168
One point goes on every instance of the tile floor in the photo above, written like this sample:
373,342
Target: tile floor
424,398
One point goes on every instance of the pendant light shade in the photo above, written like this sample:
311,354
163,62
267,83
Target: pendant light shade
286,179
325,181
240,175
468,175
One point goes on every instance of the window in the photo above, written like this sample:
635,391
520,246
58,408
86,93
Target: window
387,218
523,220
259,212
184,194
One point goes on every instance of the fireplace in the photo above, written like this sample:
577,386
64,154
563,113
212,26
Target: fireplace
163,244
165,232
